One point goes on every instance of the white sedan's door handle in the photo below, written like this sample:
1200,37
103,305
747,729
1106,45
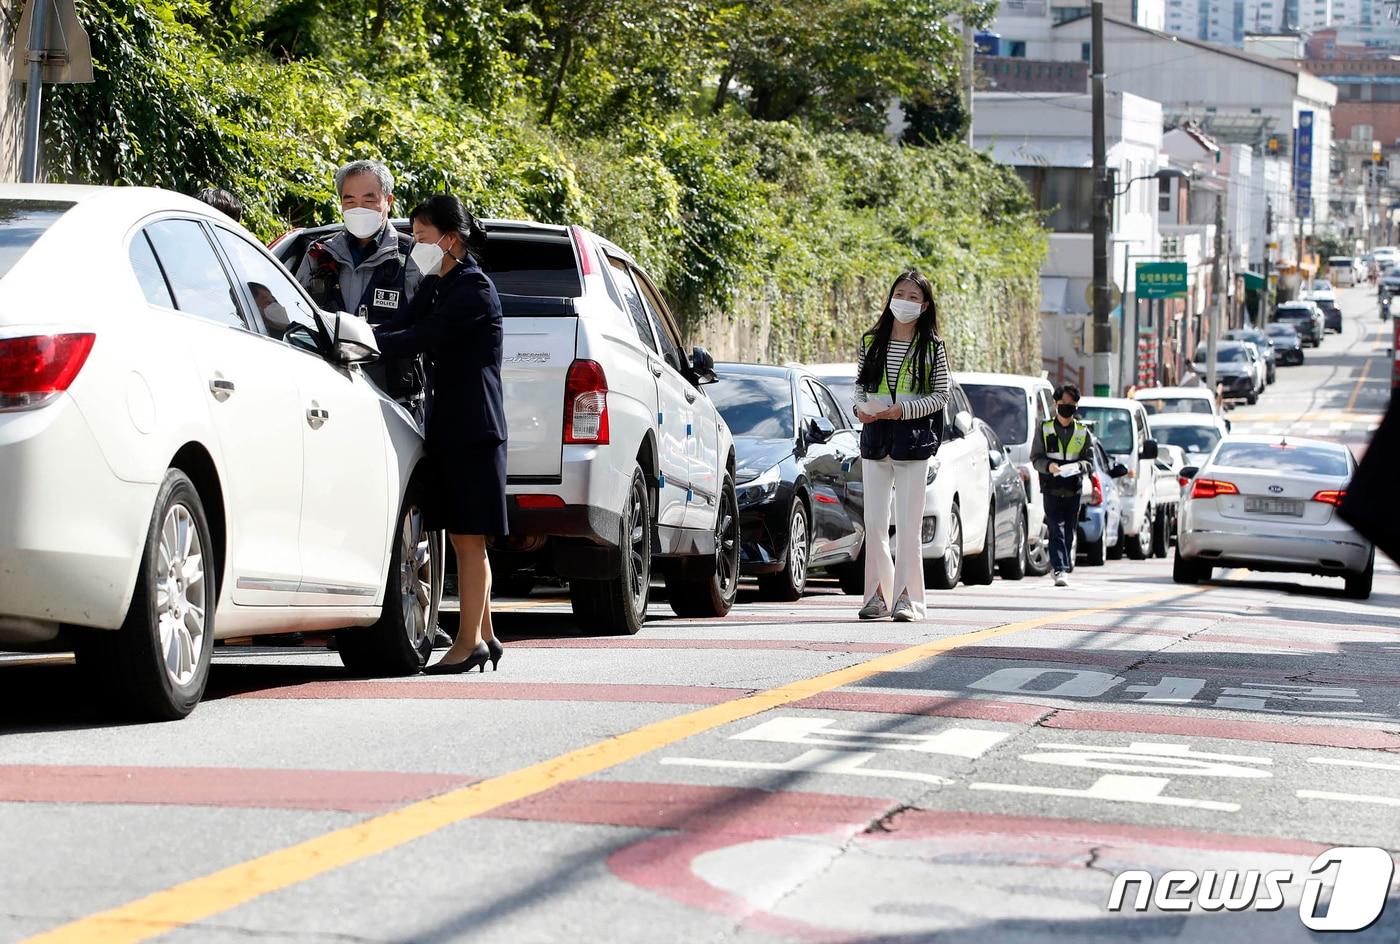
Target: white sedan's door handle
221,388
316,417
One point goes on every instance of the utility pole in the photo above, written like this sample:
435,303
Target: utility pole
968,74
1103,332
1217,315
35,55
1264,311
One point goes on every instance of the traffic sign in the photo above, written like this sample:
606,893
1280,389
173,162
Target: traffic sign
1161,279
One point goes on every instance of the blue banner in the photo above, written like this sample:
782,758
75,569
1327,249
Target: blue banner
1302,164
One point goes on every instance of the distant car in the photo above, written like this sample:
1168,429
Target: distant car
797,477
1172,400
1305,317
1390,276
1271,504
1288,347
958,540
1325,297
1101,512
1009,506
1016,407
1342,271
1236,368
1196,435
1121,427
1262,346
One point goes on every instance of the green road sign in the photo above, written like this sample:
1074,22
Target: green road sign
1161,279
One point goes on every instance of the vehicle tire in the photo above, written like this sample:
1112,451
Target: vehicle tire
978,571
1038,555
1188,571
1359,584
401,641
1159,533
943,573
1014,568
157,664
516,583
713,595
1115,550
1140,547
852,576
790,583
1252,399
617,605
1094,552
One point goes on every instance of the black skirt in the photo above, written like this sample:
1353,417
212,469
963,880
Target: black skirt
466,489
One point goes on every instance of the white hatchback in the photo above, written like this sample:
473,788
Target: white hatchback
189,450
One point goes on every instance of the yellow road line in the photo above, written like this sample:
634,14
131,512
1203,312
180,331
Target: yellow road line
1360,383
202,898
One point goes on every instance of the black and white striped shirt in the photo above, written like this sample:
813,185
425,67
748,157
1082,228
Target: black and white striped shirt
895,356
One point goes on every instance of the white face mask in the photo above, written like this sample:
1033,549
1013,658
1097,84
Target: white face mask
275,315
427,257
362,223
905,311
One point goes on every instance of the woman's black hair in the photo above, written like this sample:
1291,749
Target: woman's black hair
446,214
925,330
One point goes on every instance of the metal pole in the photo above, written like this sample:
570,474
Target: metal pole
1215,317
1103,331
1268,233
34,90
967,75
1127,365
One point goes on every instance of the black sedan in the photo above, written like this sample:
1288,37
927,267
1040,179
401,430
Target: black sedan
1288,347
1012,520
798,477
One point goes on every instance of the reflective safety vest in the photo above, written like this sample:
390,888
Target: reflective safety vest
1077,441
905,384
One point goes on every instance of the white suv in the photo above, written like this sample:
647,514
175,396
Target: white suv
1120,425
1017,407
618,464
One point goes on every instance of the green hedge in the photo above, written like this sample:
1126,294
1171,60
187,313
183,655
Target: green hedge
772,241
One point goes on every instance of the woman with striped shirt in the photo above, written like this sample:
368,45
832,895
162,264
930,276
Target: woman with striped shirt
901,388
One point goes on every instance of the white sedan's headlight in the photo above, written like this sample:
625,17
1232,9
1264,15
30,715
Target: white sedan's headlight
761,487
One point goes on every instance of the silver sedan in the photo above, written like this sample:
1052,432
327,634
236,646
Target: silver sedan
1270,504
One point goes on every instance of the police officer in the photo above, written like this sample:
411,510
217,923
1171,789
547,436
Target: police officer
1061,454
365,268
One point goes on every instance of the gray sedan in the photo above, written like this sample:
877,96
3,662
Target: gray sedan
1271,504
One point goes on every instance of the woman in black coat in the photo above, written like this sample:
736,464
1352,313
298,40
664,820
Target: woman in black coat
455,320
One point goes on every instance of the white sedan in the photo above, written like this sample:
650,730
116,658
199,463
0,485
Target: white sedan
189,450
1271,504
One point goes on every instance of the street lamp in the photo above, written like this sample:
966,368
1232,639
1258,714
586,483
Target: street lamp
1166,173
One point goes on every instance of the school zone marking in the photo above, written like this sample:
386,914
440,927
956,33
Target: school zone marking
202,898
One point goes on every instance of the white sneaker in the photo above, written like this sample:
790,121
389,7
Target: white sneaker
874,608
1060,579
903,609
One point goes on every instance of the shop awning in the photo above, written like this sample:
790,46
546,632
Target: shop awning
1253,282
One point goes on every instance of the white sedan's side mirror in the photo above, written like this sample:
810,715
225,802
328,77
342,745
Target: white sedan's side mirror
963,421
354,340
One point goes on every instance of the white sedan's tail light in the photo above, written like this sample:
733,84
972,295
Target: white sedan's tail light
37,368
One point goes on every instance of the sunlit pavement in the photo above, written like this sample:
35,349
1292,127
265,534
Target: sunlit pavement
788,773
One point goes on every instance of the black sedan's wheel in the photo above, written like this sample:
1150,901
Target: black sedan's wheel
1014,567
713,594
157,664
789,583
402,639
617,605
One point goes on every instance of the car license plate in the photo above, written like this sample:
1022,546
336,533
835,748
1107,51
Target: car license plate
1274,506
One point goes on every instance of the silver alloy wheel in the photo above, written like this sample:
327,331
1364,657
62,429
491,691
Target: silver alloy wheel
727,546
636,548
415,578
952,555
1021,539
1039,553
180,596
798,548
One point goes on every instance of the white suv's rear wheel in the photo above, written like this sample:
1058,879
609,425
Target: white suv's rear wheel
157,664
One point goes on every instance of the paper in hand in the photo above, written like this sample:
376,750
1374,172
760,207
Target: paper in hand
1068,470
874,403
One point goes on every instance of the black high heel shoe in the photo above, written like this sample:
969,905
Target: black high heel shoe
478,659
497,650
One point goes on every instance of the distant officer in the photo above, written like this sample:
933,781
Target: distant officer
1061,454
365,268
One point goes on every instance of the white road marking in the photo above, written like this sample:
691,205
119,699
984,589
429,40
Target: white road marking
1343,762
954,742
1117,788
1348,797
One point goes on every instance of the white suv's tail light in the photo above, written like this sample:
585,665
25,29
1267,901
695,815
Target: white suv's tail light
586,404
35,369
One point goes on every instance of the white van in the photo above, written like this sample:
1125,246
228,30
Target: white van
1120,425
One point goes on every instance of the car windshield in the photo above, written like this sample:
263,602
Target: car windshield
1339,263
1190,438
1225,355
22,222
1158,405
1294,314
755,405
1113,427
1004,409
1282,458
1322,285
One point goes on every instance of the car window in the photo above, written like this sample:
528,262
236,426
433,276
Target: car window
665,334
197,277
1047,409
807,403
632,303
1190,438
147,269
277,299
22,222
1280,458
1001,408
1113,427
758,406
830,407
993,440
844,390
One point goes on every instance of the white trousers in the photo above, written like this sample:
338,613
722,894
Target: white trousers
904,483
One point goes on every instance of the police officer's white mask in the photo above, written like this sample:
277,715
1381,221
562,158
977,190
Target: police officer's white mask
905,311
362,223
